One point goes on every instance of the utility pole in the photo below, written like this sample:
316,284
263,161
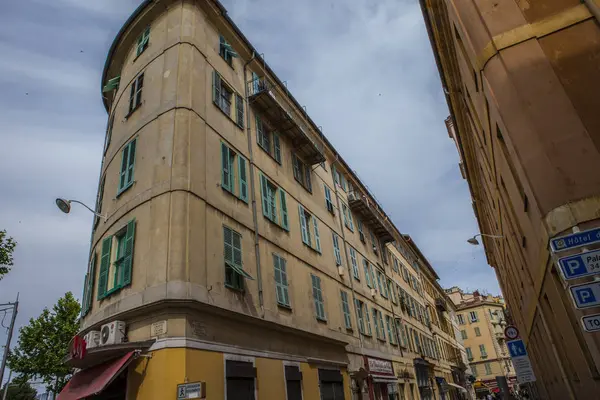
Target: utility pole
15,307
6,386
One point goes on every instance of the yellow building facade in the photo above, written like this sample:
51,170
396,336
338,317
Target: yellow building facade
240,255
481,322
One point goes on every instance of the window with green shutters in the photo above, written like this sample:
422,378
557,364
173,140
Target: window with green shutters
223,96
336,249
358,305
389,324
382,284
378,321
135,93
232,251
142,42
122,243
396,266
348,221
302,172
354,263
239,110
268,139
474,370
483,351
373,242
274,203
367,273
127,166
477,331
488,368
281,282
346,309
390,288
88,287
328,202
226,51
318,297
400,333
309,228
368,332
361,233
234,176
469,353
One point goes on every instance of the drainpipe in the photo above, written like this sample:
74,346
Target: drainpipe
594,8
252,192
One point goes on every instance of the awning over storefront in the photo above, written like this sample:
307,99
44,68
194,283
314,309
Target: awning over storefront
462,389
92,381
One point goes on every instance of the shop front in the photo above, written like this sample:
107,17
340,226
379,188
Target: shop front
383,384
422,371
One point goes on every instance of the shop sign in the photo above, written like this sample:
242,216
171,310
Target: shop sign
379,366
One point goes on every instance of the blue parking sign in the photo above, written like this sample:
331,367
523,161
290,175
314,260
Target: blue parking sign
580,265
586,295
516,348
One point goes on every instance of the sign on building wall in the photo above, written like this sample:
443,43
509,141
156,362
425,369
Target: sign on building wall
521,362
580,265
586,295
591,323
575,240
188,391
379,366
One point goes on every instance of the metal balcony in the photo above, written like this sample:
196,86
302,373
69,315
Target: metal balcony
371,213
274,108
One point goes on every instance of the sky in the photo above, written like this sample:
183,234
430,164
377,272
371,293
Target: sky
365,73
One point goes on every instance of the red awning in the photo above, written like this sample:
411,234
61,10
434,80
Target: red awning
92,381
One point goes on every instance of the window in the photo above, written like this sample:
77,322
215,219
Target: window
418,348
354,263
302,172
240,380
336,175
233,173
482,351
226,51
348,221
109,129
360,231
274,204
318,297
239,111
390,288
400,333
293,379
309,228
331,385
268,139
389,324
328,202
373,242
99,201
369,332
127,167
234,273
346,310
461,319
135,95
88,287
488,368
463,334
395,264
477,332
336,248
378,321
359,312
405,274
473,369
142,42
222,98
473,316
368,273
382,284
120,266
281,283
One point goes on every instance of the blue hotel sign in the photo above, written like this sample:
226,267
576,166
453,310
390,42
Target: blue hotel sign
575,240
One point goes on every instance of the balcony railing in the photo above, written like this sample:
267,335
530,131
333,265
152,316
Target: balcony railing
441,304
371,213
284,119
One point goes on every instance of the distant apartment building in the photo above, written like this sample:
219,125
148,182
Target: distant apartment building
240,256
521,80
481,324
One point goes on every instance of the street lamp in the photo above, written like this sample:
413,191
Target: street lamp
475,242
64,205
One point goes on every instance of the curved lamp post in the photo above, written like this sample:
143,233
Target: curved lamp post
64,205
475,242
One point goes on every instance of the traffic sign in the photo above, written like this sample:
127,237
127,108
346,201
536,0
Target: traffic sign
574,240
511,332
579,265
591,323
586,295
516,348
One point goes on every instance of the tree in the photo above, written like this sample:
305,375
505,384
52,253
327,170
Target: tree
19,391
44,343
7,246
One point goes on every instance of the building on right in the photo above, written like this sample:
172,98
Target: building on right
521,80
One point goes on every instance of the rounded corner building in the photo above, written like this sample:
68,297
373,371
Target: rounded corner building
240,256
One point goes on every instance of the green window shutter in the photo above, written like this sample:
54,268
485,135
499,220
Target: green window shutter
381,327
303,225
377,333
354,263
344,187
359,313
317,236
346,309
128,257
131,162
307,178
328,202
243,178
216,88
255,83
335,174
281,283
239,109
225,172
367,273
124,164
237,249
84,296
260,135
142,42
276,148
373,276
318,297
112,84
296,168
368,320
228,245
284,213
89,291
104,267
264,187
350,220
132,97
336,249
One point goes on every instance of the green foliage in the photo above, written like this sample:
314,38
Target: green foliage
44,343
20,391
7,246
